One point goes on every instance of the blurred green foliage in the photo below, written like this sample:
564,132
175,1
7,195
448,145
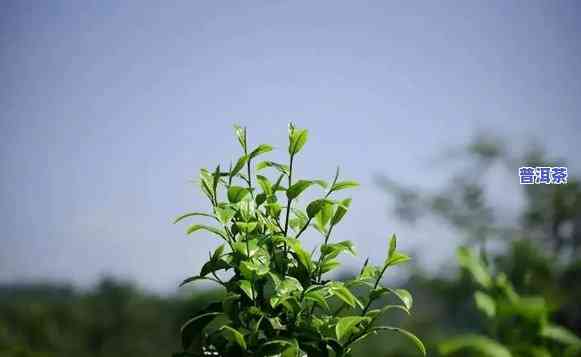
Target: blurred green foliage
113,319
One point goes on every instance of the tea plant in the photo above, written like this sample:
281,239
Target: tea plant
277,300
518,325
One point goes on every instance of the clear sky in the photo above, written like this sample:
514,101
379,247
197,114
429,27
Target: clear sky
108,108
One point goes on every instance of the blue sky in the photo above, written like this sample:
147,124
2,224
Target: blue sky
108,108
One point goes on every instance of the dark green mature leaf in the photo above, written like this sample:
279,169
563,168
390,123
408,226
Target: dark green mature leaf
481,344
194,326
193,214
341,211
213,266
239,165
345,326
296,189
344,185
237,193
316,206
233,335
196,227
264,148
297,138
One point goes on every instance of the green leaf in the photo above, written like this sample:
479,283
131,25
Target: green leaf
404,297
233,335
196,227
192,279
322,183
324,216
344,185
246,286
237,193
392,246
224,214
276,347
249,268
485,303
297,138
471,262
246,227
340,291
397,258
370,272
316,206
476,343
194,326
264,148
406,333
284,169
341,211
193,214
239,165
560,334
241,135
317,297
375,313
296,189
213,265
264,184
303,256
333,250
345,326
329,265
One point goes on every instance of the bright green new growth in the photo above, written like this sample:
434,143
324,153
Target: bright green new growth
519,325
277,302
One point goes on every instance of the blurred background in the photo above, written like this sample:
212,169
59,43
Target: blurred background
110,108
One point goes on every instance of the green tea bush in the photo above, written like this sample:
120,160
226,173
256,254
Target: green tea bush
517,325
277,301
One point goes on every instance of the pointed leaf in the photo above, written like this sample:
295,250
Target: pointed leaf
264,148
234,335
194,326
193,214
298,138
316,206
406,333
239,165
344,185
296,189
237,193
196,227
345,326
341,211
